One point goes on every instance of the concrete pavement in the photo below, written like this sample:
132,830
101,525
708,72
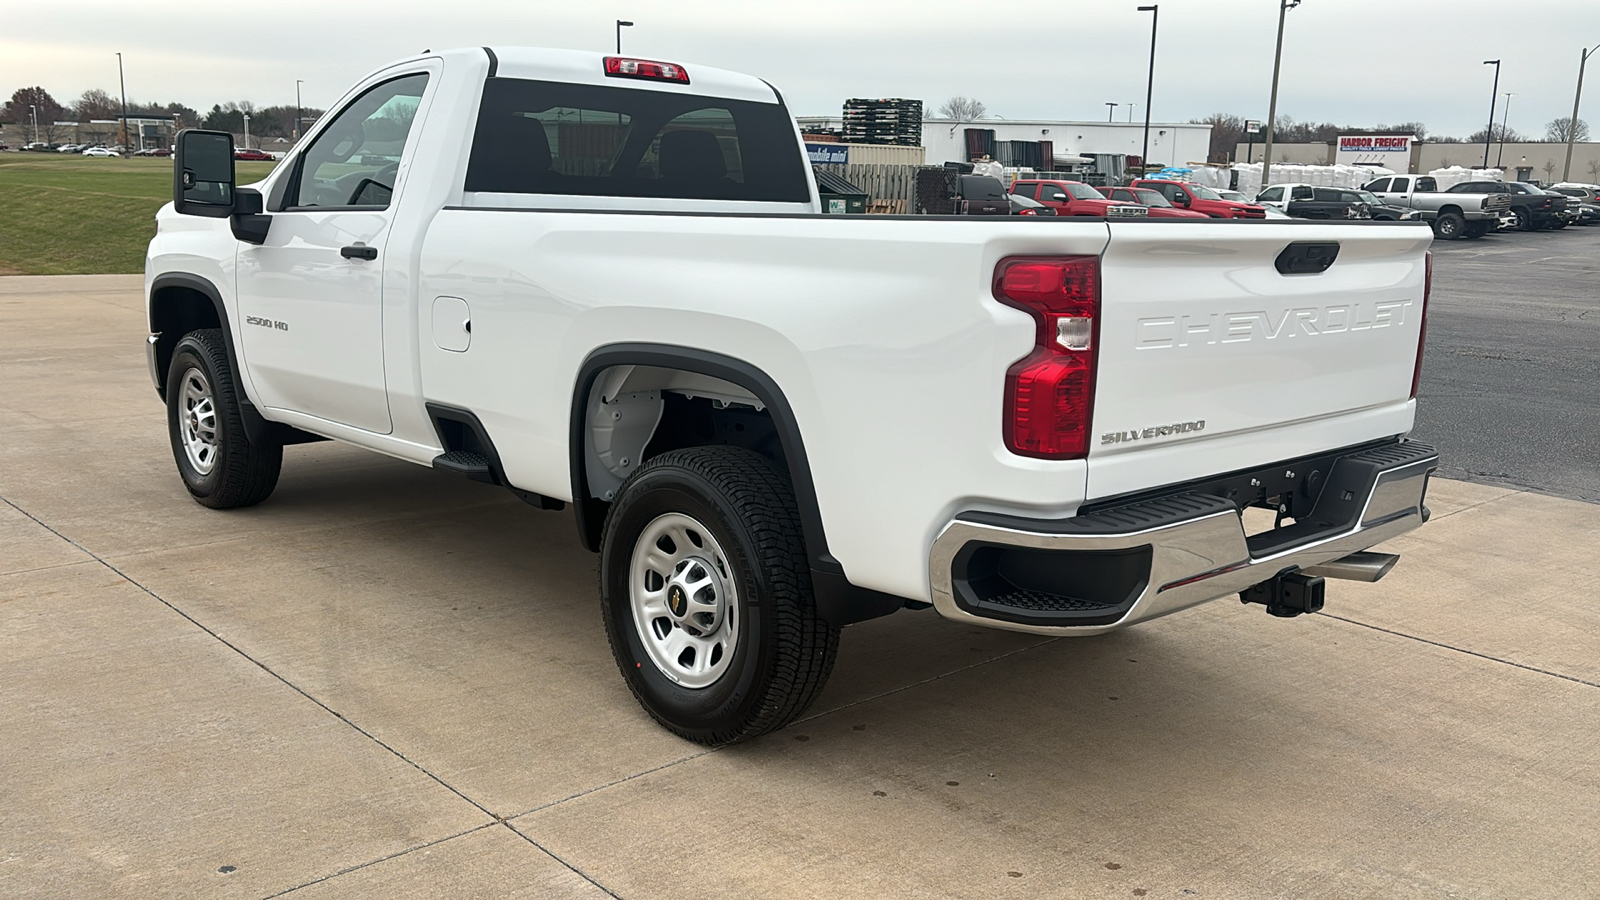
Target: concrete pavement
387,682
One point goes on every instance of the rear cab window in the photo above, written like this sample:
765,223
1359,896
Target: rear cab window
542,137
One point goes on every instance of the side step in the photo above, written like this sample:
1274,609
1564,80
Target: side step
474,466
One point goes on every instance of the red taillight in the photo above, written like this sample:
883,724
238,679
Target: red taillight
627,67
1422,326
1050,392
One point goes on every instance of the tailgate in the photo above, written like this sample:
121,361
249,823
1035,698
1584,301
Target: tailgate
1211,361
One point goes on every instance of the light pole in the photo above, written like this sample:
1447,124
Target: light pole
298,114
1130,112
1505,117
246,131
1111,110
1272,106
1494,94
1149,87
34,112
124,82
621,25
1572,125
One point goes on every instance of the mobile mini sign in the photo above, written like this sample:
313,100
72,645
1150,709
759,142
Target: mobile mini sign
1391,151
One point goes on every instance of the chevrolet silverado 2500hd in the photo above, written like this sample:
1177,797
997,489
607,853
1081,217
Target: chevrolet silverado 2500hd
606,282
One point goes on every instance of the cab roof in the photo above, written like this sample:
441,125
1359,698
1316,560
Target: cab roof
585,67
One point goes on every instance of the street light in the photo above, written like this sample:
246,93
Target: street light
34,112
124,82
1272,106
298,114
1505,117
247,131
1572,125
1149,87
1130,112
1494,94
1111,109
621,25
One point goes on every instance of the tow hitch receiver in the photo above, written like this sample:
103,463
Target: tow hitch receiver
1288,594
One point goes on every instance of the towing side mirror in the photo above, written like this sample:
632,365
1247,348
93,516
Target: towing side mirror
202,173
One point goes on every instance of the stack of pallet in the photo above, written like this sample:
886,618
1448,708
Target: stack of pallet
883,122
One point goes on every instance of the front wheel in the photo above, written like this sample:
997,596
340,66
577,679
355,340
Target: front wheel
219,464
1521,221
706,595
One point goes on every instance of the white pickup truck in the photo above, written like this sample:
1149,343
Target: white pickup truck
606,282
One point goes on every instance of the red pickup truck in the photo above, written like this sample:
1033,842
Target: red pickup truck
1153,201
1199,198
1074,198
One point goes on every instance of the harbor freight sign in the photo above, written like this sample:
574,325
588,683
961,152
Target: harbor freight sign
828,154
1391,151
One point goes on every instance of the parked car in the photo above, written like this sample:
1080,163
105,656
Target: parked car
1532,208
100,151
1156,206
1022,206
1235,196
153,151
252,154
1584,197
1305,201
70,148
1051,430
1201,199
1074,198
1454,214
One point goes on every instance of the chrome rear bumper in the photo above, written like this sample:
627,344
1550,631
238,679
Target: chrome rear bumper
1177,551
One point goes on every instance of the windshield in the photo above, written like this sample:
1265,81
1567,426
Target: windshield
1203,192
1024,202
1081,191
1369,198
1152,198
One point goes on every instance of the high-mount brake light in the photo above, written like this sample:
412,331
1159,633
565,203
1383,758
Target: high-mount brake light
628,67
1050,392
1422,326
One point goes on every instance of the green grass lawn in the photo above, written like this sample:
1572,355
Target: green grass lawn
64,214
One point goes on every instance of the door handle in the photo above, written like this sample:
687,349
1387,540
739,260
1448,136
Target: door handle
358,251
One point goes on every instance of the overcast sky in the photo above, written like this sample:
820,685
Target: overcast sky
1357,62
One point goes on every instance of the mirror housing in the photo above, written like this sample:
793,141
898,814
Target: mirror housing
202,173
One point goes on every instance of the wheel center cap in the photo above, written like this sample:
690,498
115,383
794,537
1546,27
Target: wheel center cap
677,601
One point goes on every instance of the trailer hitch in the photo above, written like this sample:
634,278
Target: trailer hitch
1288,594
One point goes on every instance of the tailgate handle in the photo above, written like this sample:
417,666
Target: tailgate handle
1307,257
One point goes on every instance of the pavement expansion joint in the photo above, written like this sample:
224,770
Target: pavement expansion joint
372,862
1444,646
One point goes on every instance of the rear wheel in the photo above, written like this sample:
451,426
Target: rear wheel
1521,221
219,465
1477,230
1450,226
706,595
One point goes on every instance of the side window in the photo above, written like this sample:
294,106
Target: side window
1302,192
1271,195
1379,186
539,137
1427,184
1401,185
352,163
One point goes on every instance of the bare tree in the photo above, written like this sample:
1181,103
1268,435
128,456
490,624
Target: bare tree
25,102
1557,130
963,109
96,104
1549,169
1499,133
1594,169
1227,132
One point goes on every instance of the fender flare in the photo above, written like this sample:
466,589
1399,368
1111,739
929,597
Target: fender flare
256,427
838,601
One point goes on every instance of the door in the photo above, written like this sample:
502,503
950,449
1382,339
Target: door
1396,192
312,294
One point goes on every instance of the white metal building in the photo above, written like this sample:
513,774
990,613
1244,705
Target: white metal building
1172,144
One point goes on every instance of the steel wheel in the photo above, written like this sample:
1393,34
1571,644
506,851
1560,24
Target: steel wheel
684,600
197,424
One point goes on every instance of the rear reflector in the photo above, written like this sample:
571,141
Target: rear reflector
1422,326
1050,392
627,67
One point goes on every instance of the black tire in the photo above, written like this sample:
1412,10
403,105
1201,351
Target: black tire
783,651
1521,220
1450,226
1477,229
230,471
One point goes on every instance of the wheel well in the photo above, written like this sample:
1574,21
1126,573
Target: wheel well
1449,209
174,312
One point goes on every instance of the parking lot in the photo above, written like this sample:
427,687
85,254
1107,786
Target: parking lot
388,682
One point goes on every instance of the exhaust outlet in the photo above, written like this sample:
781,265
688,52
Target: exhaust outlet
1363,565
